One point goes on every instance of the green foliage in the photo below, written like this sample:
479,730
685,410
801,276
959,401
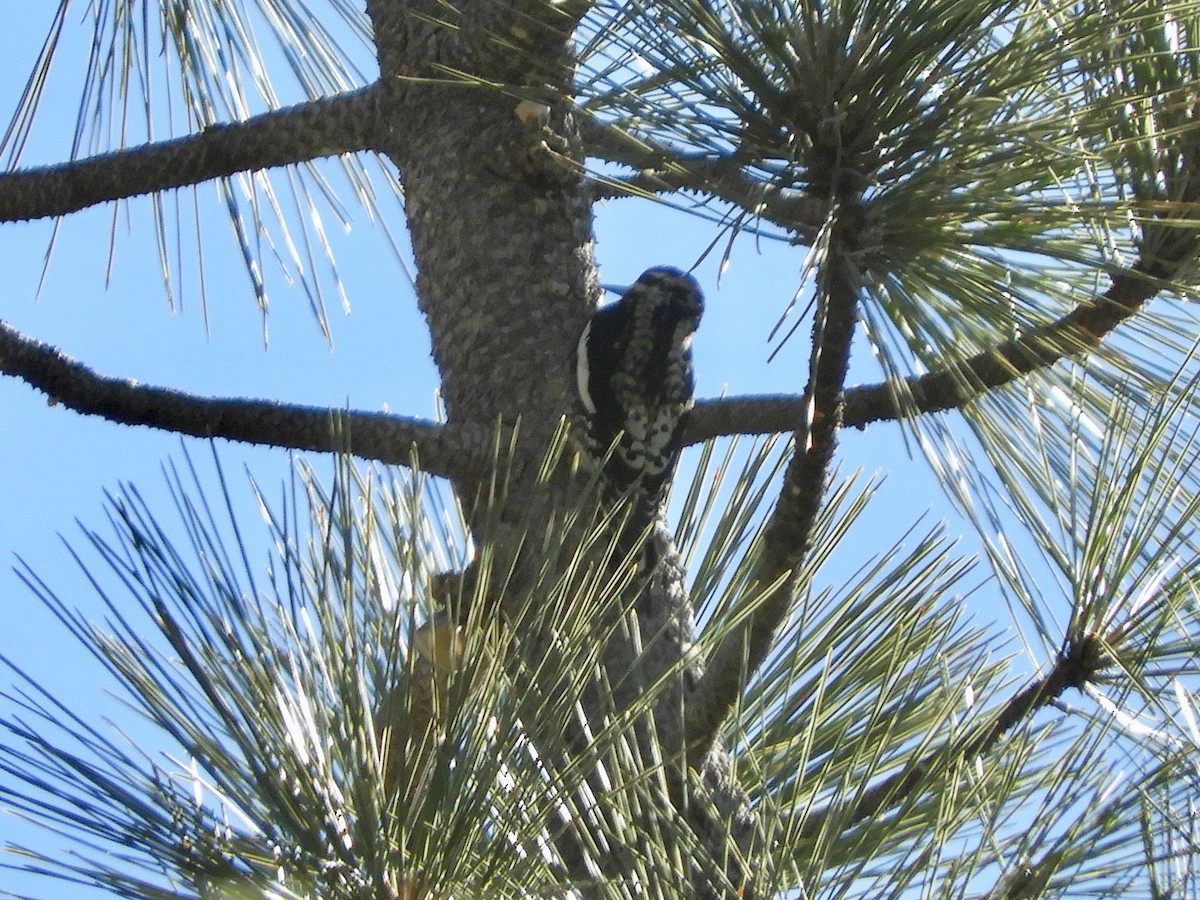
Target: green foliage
1007,155
160,70
265,682
1006,160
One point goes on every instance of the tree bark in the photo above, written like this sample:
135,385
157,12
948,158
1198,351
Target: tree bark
326,127
500,215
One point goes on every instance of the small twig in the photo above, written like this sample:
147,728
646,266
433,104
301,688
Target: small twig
661,168
1078,664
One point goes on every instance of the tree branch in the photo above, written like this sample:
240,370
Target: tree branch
661,168
787,537
443,449
341,124
951,388
1079,662
1078,331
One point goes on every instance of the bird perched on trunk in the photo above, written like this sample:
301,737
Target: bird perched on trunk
633,368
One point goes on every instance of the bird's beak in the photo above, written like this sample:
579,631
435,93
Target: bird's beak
618,289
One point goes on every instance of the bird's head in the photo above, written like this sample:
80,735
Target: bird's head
669,293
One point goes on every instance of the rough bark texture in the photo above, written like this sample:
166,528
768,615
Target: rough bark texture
500,222
308,131
500,217
474,107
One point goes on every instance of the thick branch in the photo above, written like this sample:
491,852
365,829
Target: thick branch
788,535
661,168
950,388
340,124
443,450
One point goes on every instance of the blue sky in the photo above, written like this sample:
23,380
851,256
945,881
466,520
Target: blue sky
55,465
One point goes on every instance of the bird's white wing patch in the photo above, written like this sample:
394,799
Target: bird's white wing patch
582,370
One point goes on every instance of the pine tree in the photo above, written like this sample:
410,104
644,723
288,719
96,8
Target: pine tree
470,669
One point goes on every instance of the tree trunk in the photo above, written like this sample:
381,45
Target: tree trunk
498,206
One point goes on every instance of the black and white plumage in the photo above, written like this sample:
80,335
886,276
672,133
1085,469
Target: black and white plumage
633,368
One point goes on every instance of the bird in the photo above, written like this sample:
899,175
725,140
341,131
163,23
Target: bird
634,377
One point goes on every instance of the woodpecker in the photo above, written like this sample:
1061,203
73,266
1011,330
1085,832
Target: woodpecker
633,368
